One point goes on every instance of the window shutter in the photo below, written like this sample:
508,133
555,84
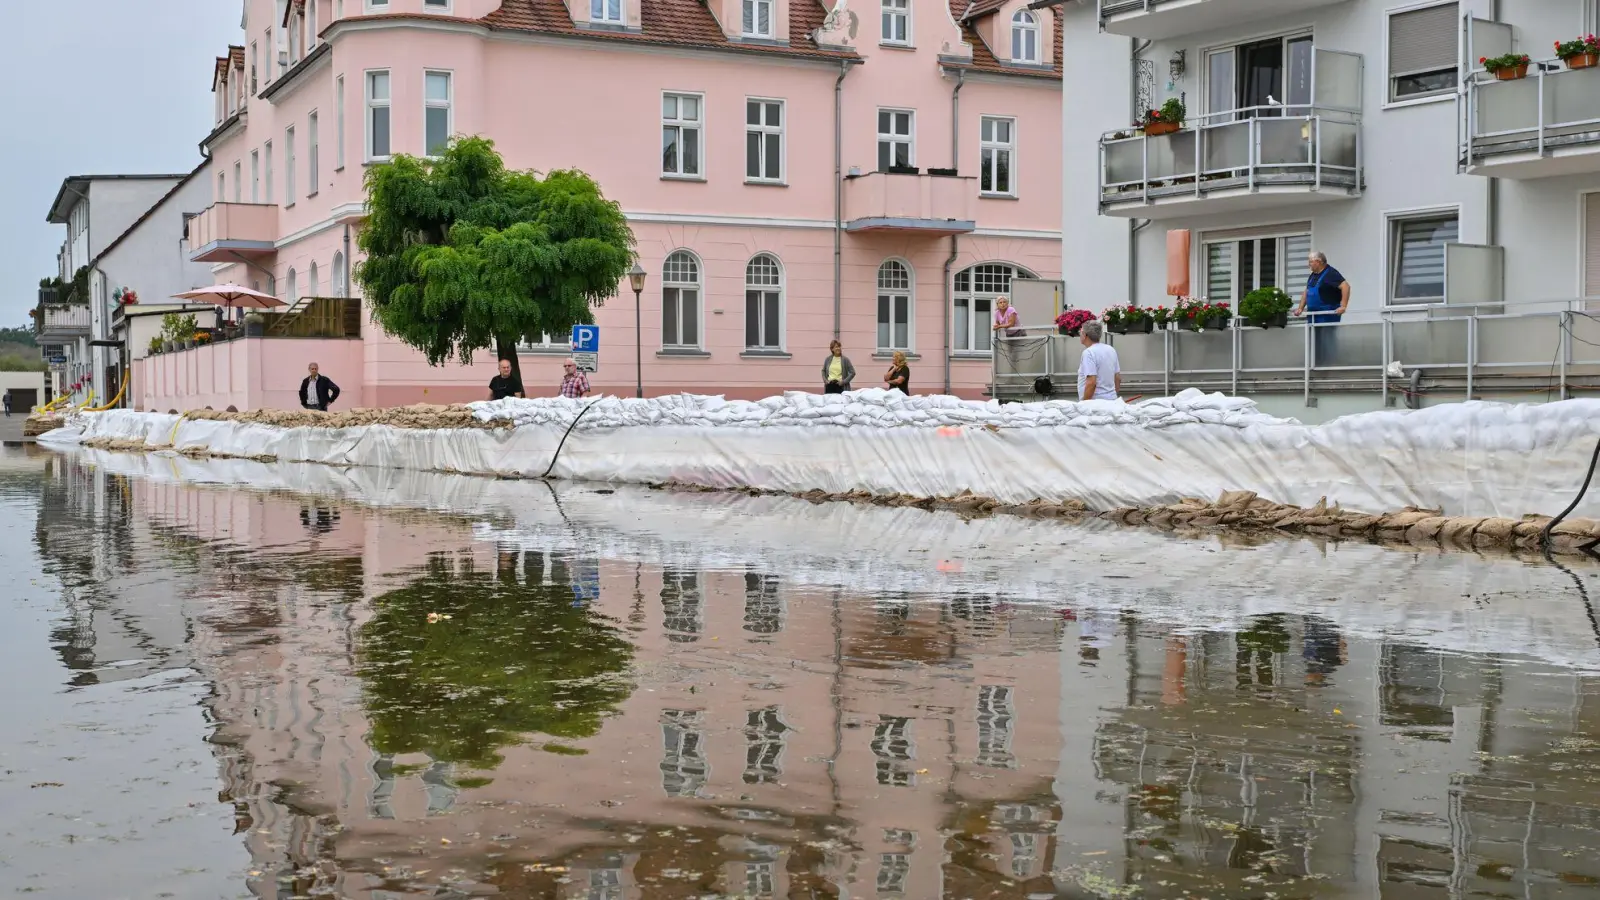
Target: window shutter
1423,40
1296,250
1422,257
1591,245
1219,272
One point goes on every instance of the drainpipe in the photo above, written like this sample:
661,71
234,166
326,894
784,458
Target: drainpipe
955,121
955,247
1135,225
1492,199
838,195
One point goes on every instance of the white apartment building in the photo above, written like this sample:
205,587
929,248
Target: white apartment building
1364,129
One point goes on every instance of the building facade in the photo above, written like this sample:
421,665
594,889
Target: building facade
750,144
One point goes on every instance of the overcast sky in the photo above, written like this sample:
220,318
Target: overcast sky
96,87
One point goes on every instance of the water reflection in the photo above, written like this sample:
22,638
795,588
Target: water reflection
498,695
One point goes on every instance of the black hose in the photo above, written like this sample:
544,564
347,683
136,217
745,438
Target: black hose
1544,536
586,409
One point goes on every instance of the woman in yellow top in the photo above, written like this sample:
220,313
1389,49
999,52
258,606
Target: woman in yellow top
837,373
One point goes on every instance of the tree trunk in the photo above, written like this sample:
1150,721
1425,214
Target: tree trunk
507,350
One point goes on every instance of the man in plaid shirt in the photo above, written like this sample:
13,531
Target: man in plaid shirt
574,384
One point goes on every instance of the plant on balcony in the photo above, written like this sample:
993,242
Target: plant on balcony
124,297
201,338
1508,67
1579,53
1162,317
463,254
1129,319
156,345
1198,315
1071,321
1167,119
1266,307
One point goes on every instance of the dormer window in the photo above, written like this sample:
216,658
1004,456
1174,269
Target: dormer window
1024,37
757,18
897,22
607,11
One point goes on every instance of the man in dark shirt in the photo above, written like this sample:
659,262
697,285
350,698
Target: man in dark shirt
1327,297
505,384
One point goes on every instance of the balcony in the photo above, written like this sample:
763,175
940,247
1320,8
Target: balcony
227,232
905,202
61,323
1161,19
1543,126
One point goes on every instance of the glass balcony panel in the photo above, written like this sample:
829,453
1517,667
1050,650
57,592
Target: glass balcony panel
1341,345
1437,343
1285,142
1508,106
1517,340
1141,352
1124,162
1196,351
1339,141
1171,155
1272,348
1585,343
1338,80
1227,147
1571,97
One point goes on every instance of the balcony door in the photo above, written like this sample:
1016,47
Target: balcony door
1261,78
1239,261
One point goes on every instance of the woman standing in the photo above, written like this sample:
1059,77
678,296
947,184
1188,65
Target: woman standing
899,375
837,373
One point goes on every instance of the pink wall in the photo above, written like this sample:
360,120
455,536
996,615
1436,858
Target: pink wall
249,373
720,218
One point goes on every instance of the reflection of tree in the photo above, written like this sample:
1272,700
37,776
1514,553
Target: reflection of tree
513,658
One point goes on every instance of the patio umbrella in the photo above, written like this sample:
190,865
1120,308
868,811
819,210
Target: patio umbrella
234,295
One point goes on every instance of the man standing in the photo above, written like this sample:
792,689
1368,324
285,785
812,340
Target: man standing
1327,297
1099,372
505,384
8,404
574,384
316,391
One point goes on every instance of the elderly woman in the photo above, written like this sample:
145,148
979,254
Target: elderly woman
837,373
899,375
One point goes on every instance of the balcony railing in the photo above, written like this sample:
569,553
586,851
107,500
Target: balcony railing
226,231
1537,350
1158,19
1544,125
893,201
62,322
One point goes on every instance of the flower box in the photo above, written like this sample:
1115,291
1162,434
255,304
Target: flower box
1512,73
1583,61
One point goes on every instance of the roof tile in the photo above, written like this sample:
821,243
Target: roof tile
684,23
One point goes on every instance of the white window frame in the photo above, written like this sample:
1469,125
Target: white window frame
377,5
293,297
753,7
698,286
338,279
272,59
892,137
697,125
222,187
288,167
238,181
894,293
436,6
1025,25
313,151
371,104
311,25
764,129
255,176
606,7
311,279
977,325
1389,99
447,104
1291,270
752,285
996,147
266,184
890,12
1392,220
255,60
338,124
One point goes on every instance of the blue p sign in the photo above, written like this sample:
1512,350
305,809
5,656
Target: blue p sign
585,338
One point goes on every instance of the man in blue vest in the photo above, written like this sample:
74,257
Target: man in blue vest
1327,297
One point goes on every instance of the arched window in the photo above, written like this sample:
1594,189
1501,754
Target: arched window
763,303
294,289
894,306
311,281
975,291
341,283
1024,37
680,301
272,285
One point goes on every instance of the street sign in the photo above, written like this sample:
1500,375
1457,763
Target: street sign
57,360
587,361
586,339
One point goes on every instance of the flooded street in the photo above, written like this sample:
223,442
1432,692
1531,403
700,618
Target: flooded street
232,679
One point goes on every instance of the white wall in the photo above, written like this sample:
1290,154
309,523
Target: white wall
1410,155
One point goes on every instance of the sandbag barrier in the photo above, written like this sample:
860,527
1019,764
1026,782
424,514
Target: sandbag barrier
38,424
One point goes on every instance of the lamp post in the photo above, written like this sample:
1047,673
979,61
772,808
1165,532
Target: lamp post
636,276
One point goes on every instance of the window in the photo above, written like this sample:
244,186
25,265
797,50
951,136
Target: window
436,4
757,18
893,871
764,739
763,140
254,56
896,146
311,280
269,46
378,4
341,287
995,718
605,11
311,24
255,176
763,608
891,744
1237,263
294,289
288,166
897,22
222,187
682,606
684,769
1423,52
763,303
894,306
377,115
1024,37
1260,76
975,291
997,149
680,135
312,152
338,123
238,181
436,113
680,301
266,154
1416,257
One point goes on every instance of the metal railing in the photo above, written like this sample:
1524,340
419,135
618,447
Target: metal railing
1305,146
1547,347
72,318
1552,107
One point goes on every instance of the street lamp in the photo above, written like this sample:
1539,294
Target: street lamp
636,276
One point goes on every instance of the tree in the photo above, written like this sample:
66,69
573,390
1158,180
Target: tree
463,254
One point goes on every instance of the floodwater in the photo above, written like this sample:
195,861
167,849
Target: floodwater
230,679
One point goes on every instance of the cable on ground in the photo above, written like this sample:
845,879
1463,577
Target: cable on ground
1544,536
579,418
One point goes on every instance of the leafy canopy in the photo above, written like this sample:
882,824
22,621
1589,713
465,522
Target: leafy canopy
463,254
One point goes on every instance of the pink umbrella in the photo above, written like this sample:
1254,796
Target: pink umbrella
233,295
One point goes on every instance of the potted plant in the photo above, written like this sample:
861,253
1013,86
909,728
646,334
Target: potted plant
903,170
1071,321
1114,321
1217,315
201,338
1508,67
1167,119
1162,318
1137,320
155,345
1581,53
254,324
1266,307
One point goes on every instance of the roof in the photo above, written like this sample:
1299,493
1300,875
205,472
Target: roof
150,212
680,23
968,12
77,184
226,64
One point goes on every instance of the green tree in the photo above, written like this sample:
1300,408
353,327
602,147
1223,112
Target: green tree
463,254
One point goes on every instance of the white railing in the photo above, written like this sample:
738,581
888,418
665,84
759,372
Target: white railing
1553,106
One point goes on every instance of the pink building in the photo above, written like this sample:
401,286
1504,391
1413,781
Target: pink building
880,173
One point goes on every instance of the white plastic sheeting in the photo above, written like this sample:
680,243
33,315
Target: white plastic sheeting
1475,459
1368,590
